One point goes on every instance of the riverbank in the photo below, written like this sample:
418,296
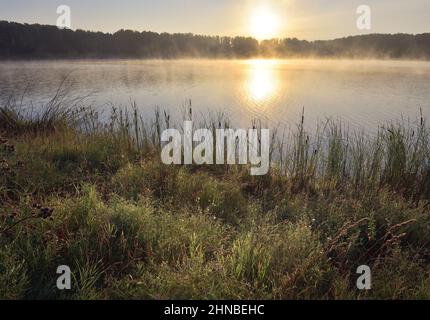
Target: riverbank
97,198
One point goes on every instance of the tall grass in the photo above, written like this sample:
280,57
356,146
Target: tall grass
59,112
397,156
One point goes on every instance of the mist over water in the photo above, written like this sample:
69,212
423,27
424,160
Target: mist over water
362,94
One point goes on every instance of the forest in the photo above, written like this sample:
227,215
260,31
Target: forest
37,41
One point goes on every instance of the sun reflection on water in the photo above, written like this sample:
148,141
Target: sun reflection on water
262,82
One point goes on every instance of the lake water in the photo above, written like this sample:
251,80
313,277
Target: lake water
362,94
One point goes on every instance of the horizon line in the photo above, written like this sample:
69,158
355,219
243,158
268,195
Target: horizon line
215,35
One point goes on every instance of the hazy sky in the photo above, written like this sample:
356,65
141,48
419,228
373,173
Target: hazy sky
307,19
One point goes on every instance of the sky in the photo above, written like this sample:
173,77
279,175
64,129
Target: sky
304,19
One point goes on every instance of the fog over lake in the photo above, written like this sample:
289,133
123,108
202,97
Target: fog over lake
362,94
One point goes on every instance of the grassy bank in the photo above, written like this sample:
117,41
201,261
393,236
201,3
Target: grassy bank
96,197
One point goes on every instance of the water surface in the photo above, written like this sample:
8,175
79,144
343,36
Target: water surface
363,94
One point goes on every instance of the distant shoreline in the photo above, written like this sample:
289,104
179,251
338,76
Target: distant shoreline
124,59
43,42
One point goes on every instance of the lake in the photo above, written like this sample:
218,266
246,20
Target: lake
362,94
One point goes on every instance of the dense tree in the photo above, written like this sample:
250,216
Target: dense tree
42,41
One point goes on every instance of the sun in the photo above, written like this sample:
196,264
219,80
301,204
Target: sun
264,24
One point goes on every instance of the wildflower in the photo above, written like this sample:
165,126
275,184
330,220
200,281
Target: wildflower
46,212
42,212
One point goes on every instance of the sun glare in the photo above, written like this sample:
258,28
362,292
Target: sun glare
264,24
262,83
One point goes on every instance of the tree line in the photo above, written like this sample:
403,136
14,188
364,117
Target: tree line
43,41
